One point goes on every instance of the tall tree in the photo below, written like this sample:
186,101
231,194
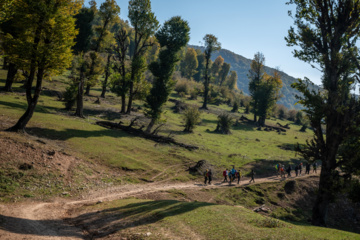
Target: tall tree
326,34
199,75
216,67
145,25
232,80
108,12
211,45
173,35
121,80
45,48
84,21
256,75
189,64
224,71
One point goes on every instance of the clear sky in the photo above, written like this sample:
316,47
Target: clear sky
242,26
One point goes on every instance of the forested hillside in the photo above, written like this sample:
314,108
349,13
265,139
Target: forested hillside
241,65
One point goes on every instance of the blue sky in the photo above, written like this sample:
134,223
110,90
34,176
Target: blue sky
242,26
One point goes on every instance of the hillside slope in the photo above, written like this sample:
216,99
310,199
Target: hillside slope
241,65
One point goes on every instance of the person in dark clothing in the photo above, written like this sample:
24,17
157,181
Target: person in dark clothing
289,171
307,168
300,168
252,173
314,167
296,170
206,176
225,173
209,176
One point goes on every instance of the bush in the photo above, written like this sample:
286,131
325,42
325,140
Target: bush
299,118
182,86
235,107
70,96
191,117
224,124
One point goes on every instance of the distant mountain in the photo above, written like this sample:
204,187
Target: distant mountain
241,65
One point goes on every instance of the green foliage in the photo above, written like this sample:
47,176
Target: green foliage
225,121
182,86
191,117
70,95
172,37
189,64
84,23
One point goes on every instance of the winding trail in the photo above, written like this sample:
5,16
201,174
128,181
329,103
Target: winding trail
45,220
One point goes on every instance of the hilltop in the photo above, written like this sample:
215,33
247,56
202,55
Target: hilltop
241,65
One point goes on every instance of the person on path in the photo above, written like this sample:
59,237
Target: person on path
314,167
230,177
238,175
300,168
307,168
206,176
252,173
289,171
209,176
277,169
282,171
296,170
225,173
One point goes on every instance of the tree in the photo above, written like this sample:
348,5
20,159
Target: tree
107,13
45,48
216,67
173,35
211,45
6,9
145,25
199,75
232,80
121,81
189,64
191,117
267,93
256,75
224,71
84,21
326,35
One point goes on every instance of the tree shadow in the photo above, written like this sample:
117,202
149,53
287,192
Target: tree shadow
99,224
102,223
49,228
75,133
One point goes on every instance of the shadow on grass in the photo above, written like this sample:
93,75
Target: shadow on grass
75,133
102,223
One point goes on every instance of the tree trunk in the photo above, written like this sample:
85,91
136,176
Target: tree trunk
87,92
130,97
150,126
5,63
80,96
123,103
206,94
32,101
10,77
107,74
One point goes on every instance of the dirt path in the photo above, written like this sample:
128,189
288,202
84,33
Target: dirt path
34,220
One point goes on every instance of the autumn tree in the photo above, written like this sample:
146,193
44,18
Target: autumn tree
172,36
45,48
326,35
211,45
189,64
145,24
215,69
256,75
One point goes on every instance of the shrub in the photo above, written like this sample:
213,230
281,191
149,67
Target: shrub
235,107
299,118
182,86
224,124
292,115
191,117
70,96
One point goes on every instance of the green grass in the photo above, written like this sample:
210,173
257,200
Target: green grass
120,150
169,219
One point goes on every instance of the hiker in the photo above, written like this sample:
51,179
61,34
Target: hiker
225,173
307,168
230,177
238,175
296,169
277,169
206,176
209,176
282,171
289,171
314,167
252,173
300,168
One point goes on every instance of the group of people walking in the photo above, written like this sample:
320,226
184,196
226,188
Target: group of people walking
280,169
229,176
233,174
